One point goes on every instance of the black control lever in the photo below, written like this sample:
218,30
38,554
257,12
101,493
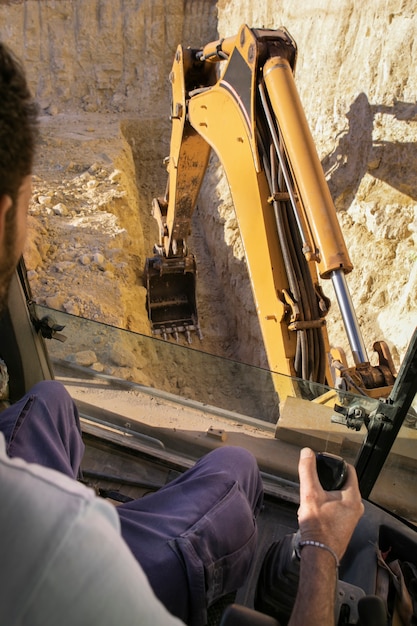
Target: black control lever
332,471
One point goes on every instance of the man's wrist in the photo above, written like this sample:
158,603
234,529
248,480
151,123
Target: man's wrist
300,543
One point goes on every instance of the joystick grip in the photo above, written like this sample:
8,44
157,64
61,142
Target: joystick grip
332,471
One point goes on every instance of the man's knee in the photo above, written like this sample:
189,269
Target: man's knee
44,428
236,457
52,395
240,465
49,389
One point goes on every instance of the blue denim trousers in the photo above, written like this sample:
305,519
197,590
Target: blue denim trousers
194,538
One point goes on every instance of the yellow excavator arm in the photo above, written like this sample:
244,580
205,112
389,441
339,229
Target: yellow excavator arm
252,116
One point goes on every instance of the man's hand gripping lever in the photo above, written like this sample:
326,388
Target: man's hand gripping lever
298,579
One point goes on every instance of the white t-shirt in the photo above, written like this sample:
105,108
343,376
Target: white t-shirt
62,559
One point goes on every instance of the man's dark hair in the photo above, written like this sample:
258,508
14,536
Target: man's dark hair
18,125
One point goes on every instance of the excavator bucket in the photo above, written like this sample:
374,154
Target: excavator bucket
171,299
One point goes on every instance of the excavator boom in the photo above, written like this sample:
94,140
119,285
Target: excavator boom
252,116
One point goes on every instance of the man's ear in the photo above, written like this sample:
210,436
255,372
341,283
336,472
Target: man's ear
5,204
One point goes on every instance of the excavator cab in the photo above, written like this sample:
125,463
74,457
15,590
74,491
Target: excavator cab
142,428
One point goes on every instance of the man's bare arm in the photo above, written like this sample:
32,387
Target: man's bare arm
326,519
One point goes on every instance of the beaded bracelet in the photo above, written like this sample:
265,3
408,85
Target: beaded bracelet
318,544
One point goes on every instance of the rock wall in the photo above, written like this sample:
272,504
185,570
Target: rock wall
103,55
357,77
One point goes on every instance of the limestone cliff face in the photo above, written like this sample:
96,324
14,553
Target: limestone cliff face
103,55
357,77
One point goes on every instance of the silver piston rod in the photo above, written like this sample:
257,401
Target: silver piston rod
350,321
